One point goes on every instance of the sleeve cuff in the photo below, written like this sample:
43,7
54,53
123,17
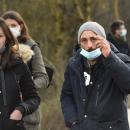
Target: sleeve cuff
112,58
70,123
21,109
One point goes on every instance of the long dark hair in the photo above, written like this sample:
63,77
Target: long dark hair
18,18
11,46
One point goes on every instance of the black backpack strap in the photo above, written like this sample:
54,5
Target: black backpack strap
50,73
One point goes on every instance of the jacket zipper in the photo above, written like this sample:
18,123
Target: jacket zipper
97,98
3,86
18,85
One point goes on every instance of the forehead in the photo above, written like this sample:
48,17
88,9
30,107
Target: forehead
122,27
11,21
88,34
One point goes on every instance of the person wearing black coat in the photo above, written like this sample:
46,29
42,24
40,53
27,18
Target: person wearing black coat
31,54
96,83
117,36
18,96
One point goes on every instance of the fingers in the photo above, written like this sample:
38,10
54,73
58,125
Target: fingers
100,40
99,45
16,115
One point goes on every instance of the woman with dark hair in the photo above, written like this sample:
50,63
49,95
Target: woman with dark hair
18,95
17,25
31,54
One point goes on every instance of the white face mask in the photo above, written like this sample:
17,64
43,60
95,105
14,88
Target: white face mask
15,31
123,33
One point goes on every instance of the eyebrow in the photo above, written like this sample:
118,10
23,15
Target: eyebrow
91,38
13,24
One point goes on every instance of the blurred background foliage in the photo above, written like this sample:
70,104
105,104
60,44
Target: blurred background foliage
54,24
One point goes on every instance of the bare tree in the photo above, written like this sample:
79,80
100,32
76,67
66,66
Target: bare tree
4,5
116,9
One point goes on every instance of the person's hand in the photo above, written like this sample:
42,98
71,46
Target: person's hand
104,45
16,115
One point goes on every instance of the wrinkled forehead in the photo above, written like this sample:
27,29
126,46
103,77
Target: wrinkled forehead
11,22
88,34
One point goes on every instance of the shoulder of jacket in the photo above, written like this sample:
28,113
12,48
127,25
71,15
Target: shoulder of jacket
123,57
31,43
26,52
18,65
74,61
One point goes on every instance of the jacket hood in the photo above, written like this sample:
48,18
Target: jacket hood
26,52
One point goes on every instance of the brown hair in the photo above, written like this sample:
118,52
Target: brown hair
11,46
18,18
115,25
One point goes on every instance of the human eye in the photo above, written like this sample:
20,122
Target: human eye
13,25
93,39
83,40
1,35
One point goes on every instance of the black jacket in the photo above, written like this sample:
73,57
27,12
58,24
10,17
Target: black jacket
16,83
103,102
120,44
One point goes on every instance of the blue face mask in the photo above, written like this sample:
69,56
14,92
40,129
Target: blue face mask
91,55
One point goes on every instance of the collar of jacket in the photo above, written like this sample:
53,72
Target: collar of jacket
77,61
76,64
16,61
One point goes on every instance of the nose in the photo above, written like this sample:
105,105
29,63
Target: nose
90,45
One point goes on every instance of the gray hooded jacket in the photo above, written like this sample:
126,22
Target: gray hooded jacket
31,54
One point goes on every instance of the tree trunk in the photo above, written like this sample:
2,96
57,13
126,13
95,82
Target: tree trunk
79,10
116,9
4,5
